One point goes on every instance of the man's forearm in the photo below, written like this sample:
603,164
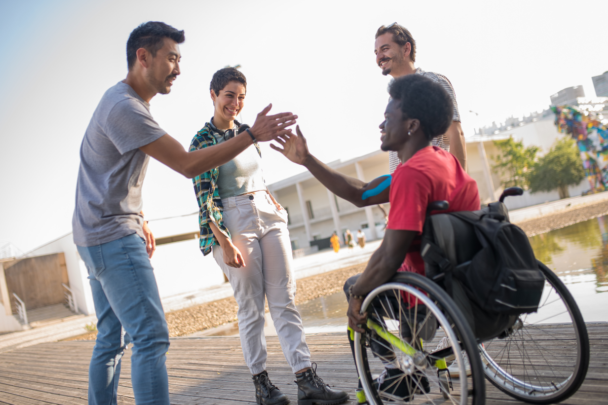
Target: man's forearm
190,164
457,143
348,188
380,269
203,160
222,239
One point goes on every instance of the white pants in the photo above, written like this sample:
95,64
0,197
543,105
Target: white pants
260,232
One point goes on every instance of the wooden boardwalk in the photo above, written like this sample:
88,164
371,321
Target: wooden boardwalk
211,370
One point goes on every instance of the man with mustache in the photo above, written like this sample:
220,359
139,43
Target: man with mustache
111,235
395,50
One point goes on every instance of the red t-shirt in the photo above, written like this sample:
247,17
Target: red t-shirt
432,174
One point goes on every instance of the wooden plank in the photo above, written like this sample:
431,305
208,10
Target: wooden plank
212,371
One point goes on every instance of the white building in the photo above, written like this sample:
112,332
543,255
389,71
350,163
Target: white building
600,83
315,213
568,95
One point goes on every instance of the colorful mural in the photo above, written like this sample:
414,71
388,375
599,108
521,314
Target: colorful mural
591,137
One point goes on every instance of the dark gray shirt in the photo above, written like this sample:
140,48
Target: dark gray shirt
112,168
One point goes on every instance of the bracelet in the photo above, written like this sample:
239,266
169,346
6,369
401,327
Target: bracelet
350,292
251,135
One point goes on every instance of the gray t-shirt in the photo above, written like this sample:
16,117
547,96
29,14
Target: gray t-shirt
112,168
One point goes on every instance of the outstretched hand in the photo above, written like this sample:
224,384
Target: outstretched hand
293,146
268,127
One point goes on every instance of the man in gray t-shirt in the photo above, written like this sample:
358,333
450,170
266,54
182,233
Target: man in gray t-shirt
112,168
111,236
395,50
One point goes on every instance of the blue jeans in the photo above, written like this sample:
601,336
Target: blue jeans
126,296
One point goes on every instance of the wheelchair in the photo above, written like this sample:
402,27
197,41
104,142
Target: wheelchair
418,340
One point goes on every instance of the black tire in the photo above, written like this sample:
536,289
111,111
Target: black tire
461,340
543,371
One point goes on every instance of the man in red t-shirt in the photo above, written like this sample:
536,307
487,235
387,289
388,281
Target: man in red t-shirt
430,175
419,110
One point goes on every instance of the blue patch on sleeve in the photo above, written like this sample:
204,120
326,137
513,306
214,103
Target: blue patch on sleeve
379,188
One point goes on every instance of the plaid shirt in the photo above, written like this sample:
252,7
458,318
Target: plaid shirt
205,188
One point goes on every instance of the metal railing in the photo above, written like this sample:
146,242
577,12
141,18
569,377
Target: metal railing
21,312
69,296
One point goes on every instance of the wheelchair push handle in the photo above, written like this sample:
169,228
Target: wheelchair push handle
511,191
437,206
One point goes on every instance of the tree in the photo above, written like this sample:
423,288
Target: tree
514,162
558,169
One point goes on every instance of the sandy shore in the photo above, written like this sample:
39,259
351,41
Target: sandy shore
212,314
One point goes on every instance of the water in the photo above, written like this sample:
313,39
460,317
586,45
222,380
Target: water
578,254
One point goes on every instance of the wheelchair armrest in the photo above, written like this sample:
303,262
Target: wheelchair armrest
437,206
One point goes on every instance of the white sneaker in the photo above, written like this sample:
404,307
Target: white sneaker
455,370
444,343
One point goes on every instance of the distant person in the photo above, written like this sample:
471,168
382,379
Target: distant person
361,238
348,238
246,229
335,242
395,50
109,229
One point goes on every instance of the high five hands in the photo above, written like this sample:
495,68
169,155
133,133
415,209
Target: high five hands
292,146
269,127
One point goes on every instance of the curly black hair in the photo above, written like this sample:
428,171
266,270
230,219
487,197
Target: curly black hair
424,100
224,76
151,36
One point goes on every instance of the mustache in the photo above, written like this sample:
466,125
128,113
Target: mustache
383,60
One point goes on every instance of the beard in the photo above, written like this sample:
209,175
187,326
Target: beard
386,71
165,87
160,85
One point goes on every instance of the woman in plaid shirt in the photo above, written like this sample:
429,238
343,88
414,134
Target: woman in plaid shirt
246,229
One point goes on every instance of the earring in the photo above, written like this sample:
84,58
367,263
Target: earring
409,133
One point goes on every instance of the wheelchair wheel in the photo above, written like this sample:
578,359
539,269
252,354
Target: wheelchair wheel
544,357
413,332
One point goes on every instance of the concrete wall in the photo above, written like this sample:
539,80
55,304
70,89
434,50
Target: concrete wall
77,271
529,199
8,323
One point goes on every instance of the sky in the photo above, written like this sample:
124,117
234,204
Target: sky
313,58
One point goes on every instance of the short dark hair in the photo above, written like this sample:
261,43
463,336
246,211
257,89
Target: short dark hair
224,76
425,100
151,36
401,36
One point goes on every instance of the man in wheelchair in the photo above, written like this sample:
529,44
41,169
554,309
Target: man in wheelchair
418,111
503,287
